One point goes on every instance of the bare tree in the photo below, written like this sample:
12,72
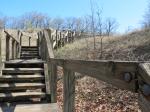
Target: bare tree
100,30
146,21
110,26
58,23
93,23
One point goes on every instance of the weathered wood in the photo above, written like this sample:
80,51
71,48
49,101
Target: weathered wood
69,91
47,79
7,48
144,71
56,39
20,86
29,41
42,107
108,71
16,78
0,53
21,95
144,103
13,49
53,83
49,45
22,70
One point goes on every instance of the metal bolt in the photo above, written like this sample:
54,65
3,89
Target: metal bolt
146,89
127,77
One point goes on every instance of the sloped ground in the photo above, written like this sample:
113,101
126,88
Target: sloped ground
96,96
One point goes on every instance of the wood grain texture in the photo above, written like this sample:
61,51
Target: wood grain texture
144,71
42,107
53,83
69,91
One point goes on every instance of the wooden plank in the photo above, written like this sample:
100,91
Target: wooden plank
21,95
19,86
53,83
109,71
49,45
47,79
69,91
144,71
13,49
42,107
7,48
144,103
0,52
22,78
22,70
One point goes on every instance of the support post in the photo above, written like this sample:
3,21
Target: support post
56,39
53,83
7,48
13,49
69,91
0,53
29,41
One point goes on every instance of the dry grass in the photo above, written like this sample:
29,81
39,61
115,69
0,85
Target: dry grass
96,96
134,46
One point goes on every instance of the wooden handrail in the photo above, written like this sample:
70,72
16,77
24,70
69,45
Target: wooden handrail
15,49
129,75
17,40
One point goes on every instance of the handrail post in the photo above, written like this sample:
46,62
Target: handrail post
60,40
69,91
13,49
53,83
56,39
7,48
0,52
29,41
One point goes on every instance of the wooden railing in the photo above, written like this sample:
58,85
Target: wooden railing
13,51
60,38
130,75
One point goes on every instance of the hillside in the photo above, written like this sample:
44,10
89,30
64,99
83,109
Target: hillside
96,96
131,47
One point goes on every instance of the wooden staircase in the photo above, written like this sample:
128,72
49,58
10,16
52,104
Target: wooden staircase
23,80
29,52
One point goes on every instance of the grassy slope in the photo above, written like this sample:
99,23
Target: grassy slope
134,46
96,96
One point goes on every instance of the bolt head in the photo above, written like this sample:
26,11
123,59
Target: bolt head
127,77
146,89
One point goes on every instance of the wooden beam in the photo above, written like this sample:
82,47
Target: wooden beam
7,48
69,91
112,72
13,49
49,44
53,83
0,46
47,79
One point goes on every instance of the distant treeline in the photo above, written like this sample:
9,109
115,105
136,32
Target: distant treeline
88,23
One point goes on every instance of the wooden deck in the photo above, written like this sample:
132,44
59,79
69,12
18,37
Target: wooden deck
51,107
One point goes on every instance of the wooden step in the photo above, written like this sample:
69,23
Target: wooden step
5,87
29,49
29,53
30,107
24,64
20,61
21,78
20,96
36,51
22,70
29,57
29,46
